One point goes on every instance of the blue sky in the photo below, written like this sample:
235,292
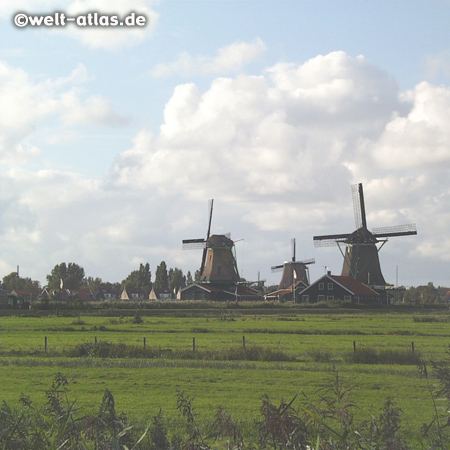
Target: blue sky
112,141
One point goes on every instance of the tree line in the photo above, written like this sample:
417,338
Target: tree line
72,276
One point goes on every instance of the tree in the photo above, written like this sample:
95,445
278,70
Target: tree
197,276
139,279
161,277
13,281
176,279
189,279
422,295
72,276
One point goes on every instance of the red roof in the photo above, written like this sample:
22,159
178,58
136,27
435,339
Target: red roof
282,292
22,292
353,285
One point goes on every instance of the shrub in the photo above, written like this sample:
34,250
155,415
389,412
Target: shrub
370,355
319,355
431,319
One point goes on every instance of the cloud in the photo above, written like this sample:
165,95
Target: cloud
437,65
229,59
263,136
423,134
26,103
106,38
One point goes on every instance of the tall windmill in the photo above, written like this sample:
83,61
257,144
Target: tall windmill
361,259
293,270
218,259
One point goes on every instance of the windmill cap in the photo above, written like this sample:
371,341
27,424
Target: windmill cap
219,240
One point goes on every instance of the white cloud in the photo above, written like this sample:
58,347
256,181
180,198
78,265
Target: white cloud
263,136
423,135
25,103
229,59
437,65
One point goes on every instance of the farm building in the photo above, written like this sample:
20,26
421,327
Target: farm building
338,287
161,294
132,294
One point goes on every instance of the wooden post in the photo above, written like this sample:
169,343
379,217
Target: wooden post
95,339
145,342
243,341
193,344
412,347
354,346
45,343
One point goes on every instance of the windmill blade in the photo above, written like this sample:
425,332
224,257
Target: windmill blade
277,268
399,230
325,243
192,244
330,239
211,204
358,206
293,249
205,250
308,261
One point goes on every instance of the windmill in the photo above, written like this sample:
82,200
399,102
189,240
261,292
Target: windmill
218,259
361,259
293,271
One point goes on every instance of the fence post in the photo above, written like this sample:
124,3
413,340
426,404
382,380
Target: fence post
95,339
354,346
45,343
193,344
412,347
145,342
243,341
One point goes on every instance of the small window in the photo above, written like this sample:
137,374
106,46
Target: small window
330,297
348,298
305,298
321,286
330,286
321,298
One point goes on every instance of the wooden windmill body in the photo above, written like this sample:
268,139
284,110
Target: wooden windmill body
220,265
361,259
218,260
293,271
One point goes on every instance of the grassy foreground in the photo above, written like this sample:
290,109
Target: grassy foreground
309,347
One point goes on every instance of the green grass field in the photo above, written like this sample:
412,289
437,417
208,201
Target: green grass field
143,385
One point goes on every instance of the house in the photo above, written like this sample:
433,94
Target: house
287,294
338,287
107,294
160,294
17,299
84,294
132,294
219,292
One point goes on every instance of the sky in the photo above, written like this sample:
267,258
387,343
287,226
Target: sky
113,139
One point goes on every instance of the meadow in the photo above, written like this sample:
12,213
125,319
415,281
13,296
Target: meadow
285,353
